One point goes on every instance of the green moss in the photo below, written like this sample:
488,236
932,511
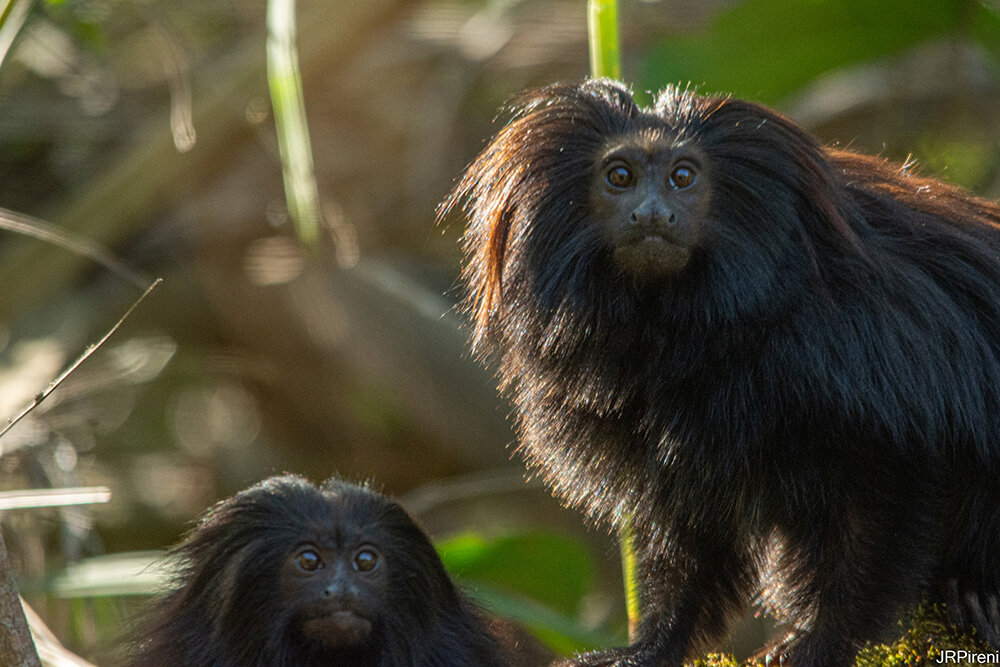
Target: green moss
925,634
716,660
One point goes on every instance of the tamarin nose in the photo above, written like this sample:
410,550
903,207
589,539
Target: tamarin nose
652,212
340,587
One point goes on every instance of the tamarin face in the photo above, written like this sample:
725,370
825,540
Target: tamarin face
336,589
652,198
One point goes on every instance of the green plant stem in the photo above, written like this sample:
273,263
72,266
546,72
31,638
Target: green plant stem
285,83
602,24
630,577
605,61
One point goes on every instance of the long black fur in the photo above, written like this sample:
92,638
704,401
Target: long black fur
807,415
226,611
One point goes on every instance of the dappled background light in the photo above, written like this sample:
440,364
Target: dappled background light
146,127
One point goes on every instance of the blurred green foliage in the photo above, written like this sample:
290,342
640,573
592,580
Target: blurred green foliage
767,49
538,580
552,569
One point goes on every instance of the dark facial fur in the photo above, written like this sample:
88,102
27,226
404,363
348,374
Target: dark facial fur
784,373
285,573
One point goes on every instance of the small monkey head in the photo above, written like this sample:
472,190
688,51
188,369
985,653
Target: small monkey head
586,205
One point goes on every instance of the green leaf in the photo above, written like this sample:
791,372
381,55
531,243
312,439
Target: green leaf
556,571
562,633
983,25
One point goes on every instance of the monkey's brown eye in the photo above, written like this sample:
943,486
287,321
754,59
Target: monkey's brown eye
682,177
308,560
620,177
365,560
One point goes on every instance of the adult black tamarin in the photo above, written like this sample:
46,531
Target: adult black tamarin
778,362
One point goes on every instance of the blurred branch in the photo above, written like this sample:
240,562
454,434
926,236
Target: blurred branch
495,481
177,71
50,650
16,647
31,498
43,231
76,364
115,575
12,18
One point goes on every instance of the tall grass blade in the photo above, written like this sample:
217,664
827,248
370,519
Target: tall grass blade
285,83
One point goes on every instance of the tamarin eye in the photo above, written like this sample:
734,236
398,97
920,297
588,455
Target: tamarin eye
620,177
682,177
308,560
365,560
